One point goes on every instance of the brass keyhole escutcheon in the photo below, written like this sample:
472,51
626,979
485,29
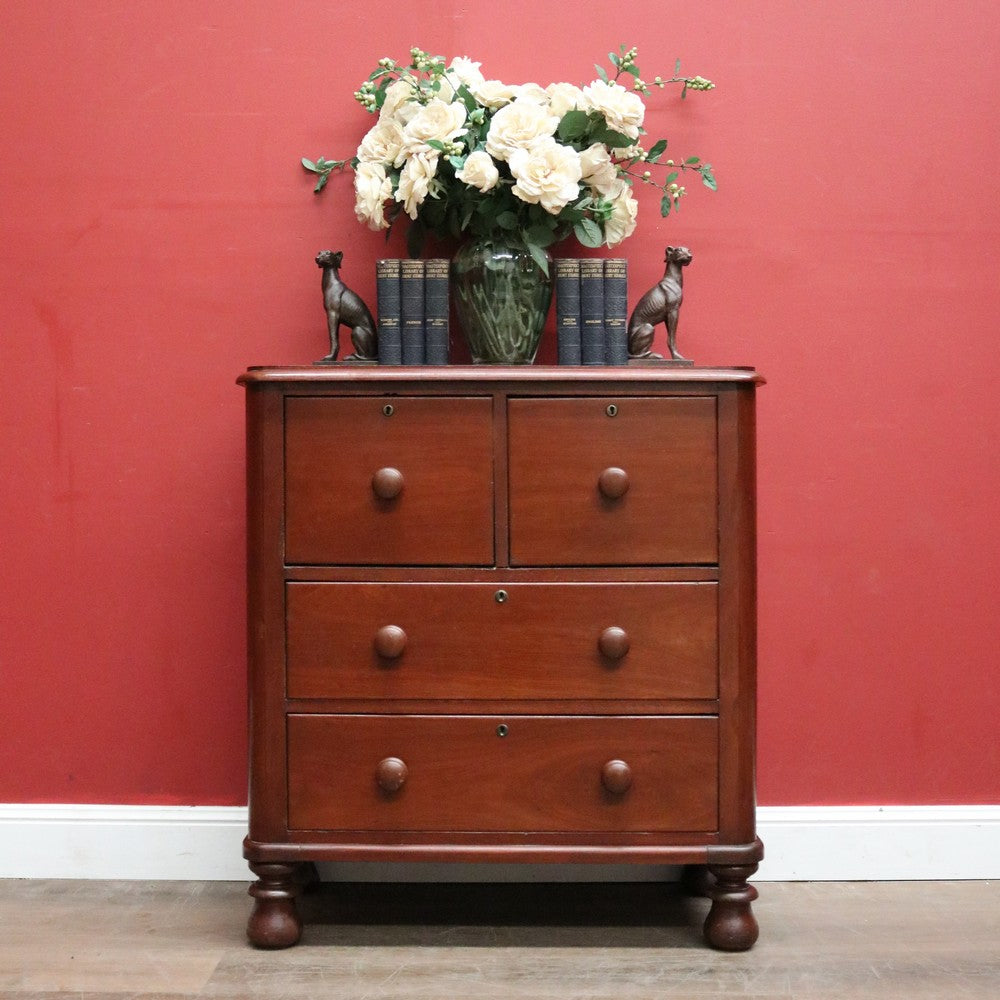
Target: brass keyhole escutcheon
612,410
502,730
388,409
500,596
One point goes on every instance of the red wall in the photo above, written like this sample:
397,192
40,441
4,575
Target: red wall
159,237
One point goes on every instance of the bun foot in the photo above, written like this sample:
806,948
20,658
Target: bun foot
274,921
731,925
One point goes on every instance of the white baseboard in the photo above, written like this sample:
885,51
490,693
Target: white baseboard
802,843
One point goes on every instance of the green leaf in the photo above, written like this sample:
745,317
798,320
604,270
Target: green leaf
615,61
457,162
540,235
677,68
671,177
436,144
666,203
656,151
309,165
634,70
466,97
707,177
380,91
507,220
613,139
588,233
600,72
540,257
692,159
415,239
321,183
573,125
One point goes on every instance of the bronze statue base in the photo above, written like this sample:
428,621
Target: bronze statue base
347,361
662,362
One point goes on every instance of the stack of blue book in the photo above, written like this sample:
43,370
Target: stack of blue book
591,311
412,311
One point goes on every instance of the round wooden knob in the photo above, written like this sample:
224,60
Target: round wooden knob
387,483
391,774
616,776
390,641
613,483
613,643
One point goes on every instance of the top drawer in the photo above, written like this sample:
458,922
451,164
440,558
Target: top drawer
389,480
609,481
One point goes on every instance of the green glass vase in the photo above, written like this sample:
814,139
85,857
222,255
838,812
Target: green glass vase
502,298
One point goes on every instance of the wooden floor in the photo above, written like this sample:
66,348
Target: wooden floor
500,942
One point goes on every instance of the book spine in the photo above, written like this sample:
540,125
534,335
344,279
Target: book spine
390,339
436,312
411,296
615,310
568,337
592,310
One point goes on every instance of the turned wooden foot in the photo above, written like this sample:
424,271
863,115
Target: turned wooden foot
274,921
731,925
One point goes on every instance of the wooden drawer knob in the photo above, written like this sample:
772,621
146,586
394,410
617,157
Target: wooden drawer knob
391,774
613,643
616,776
613,483
390,641
387,483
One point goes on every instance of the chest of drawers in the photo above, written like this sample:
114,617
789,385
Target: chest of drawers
501,614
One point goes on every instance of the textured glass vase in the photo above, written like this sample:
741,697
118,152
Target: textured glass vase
502,298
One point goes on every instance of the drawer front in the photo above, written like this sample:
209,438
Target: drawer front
537,641
544,774
639,486
389,480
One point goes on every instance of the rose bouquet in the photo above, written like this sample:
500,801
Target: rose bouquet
460,154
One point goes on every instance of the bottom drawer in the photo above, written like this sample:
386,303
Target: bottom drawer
503,773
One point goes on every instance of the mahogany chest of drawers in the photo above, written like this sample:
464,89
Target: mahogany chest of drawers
501,614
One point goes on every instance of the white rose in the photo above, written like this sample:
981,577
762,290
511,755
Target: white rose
598,170
547,174
622,110
415,181
399,102
436,120
493,93
564,97
532,92
466,71
382,144
479,171
518,126
625,211
372,189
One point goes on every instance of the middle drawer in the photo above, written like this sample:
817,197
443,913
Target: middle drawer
507,640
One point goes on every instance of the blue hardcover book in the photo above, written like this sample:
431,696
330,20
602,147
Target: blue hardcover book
390,333
592,310
569,344
436,312
615,311
411,296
